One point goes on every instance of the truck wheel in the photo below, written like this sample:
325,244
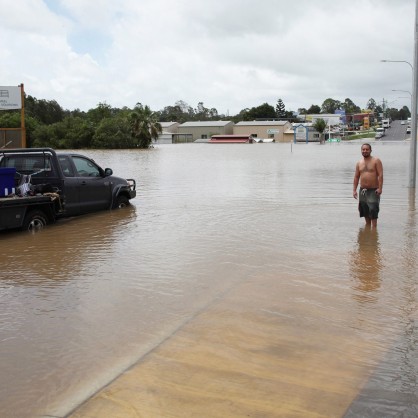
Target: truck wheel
121,202
34,221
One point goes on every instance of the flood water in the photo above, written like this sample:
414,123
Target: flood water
86,298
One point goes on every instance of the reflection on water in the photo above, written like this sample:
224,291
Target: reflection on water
87,297
366,264
62,250
392,390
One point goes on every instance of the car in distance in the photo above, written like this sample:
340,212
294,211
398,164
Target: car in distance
380,132
378,135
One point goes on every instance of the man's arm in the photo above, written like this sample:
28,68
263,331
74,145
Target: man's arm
379,170
356,180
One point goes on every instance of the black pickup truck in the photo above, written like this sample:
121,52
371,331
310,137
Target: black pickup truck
49,185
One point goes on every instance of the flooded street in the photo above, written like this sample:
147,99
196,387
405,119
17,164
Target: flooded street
258,233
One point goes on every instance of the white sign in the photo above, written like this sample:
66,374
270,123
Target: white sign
10,98
272,131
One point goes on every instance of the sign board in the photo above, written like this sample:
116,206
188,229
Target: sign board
10,98
366,122
341,113
272,131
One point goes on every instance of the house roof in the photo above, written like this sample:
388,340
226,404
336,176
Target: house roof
304,124
205,124
263,123
168,124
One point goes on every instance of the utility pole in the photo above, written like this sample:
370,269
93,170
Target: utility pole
413,150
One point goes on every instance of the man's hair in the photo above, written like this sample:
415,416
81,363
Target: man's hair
366,143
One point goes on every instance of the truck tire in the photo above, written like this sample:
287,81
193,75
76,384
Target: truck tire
34,221
121,202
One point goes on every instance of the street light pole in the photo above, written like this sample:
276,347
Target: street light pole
407,62
413,149
406,91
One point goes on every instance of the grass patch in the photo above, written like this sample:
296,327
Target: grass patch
359,136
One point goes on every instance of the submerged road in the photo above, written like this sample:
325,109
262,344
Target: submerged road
240,283
397,132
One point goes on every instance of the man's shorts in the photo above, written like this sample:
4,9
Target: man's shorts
368,204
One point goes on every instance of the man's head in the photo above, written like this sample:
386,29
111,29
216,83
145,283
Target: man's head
366,150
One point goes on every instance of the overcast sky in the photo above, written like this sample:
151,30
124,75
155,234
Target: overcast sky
228,54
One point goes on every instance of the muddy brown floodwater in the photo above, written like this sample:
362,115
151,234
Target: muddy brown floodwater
241,282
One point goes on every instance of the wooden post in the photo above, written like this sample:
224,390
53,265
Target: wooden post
22,117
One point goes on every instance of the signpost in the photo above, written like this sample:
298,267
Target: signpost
10,98
13,98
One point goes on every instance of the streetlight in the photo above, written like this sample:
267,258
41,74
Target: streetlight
407,62
413,148
406,91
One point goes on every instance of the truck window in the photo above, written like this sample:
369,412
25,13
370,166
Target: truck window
85,167
27,163
66,166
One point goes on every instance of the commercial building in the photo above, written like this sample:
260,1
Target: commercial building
205,129
263,129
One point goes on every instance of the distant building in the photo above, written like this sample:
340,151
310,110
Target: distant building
304,132
169,129
357,121
263,129
330,118
205,129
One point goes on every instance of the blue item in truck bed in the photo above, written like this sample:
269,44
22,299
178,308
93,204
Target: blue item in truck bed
7,180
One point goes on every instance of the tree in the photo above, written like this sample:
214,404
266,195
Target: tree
201,112
213,114
172,114
144,125
45,111
330,106
394,113
181,112
12,119
371,104
349,107
184,107
280,109
113,133
265,111
102,111
404,113
72,133
320,126
314,110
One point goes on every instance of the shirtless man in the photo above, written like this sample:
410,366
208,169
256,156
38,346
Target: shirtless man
369,172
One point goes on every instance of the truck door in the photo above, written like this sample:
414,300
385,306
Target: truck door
86,189
94,188
71,186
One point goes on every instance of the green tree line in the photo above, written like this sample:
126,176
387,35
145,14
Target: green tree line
49,125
